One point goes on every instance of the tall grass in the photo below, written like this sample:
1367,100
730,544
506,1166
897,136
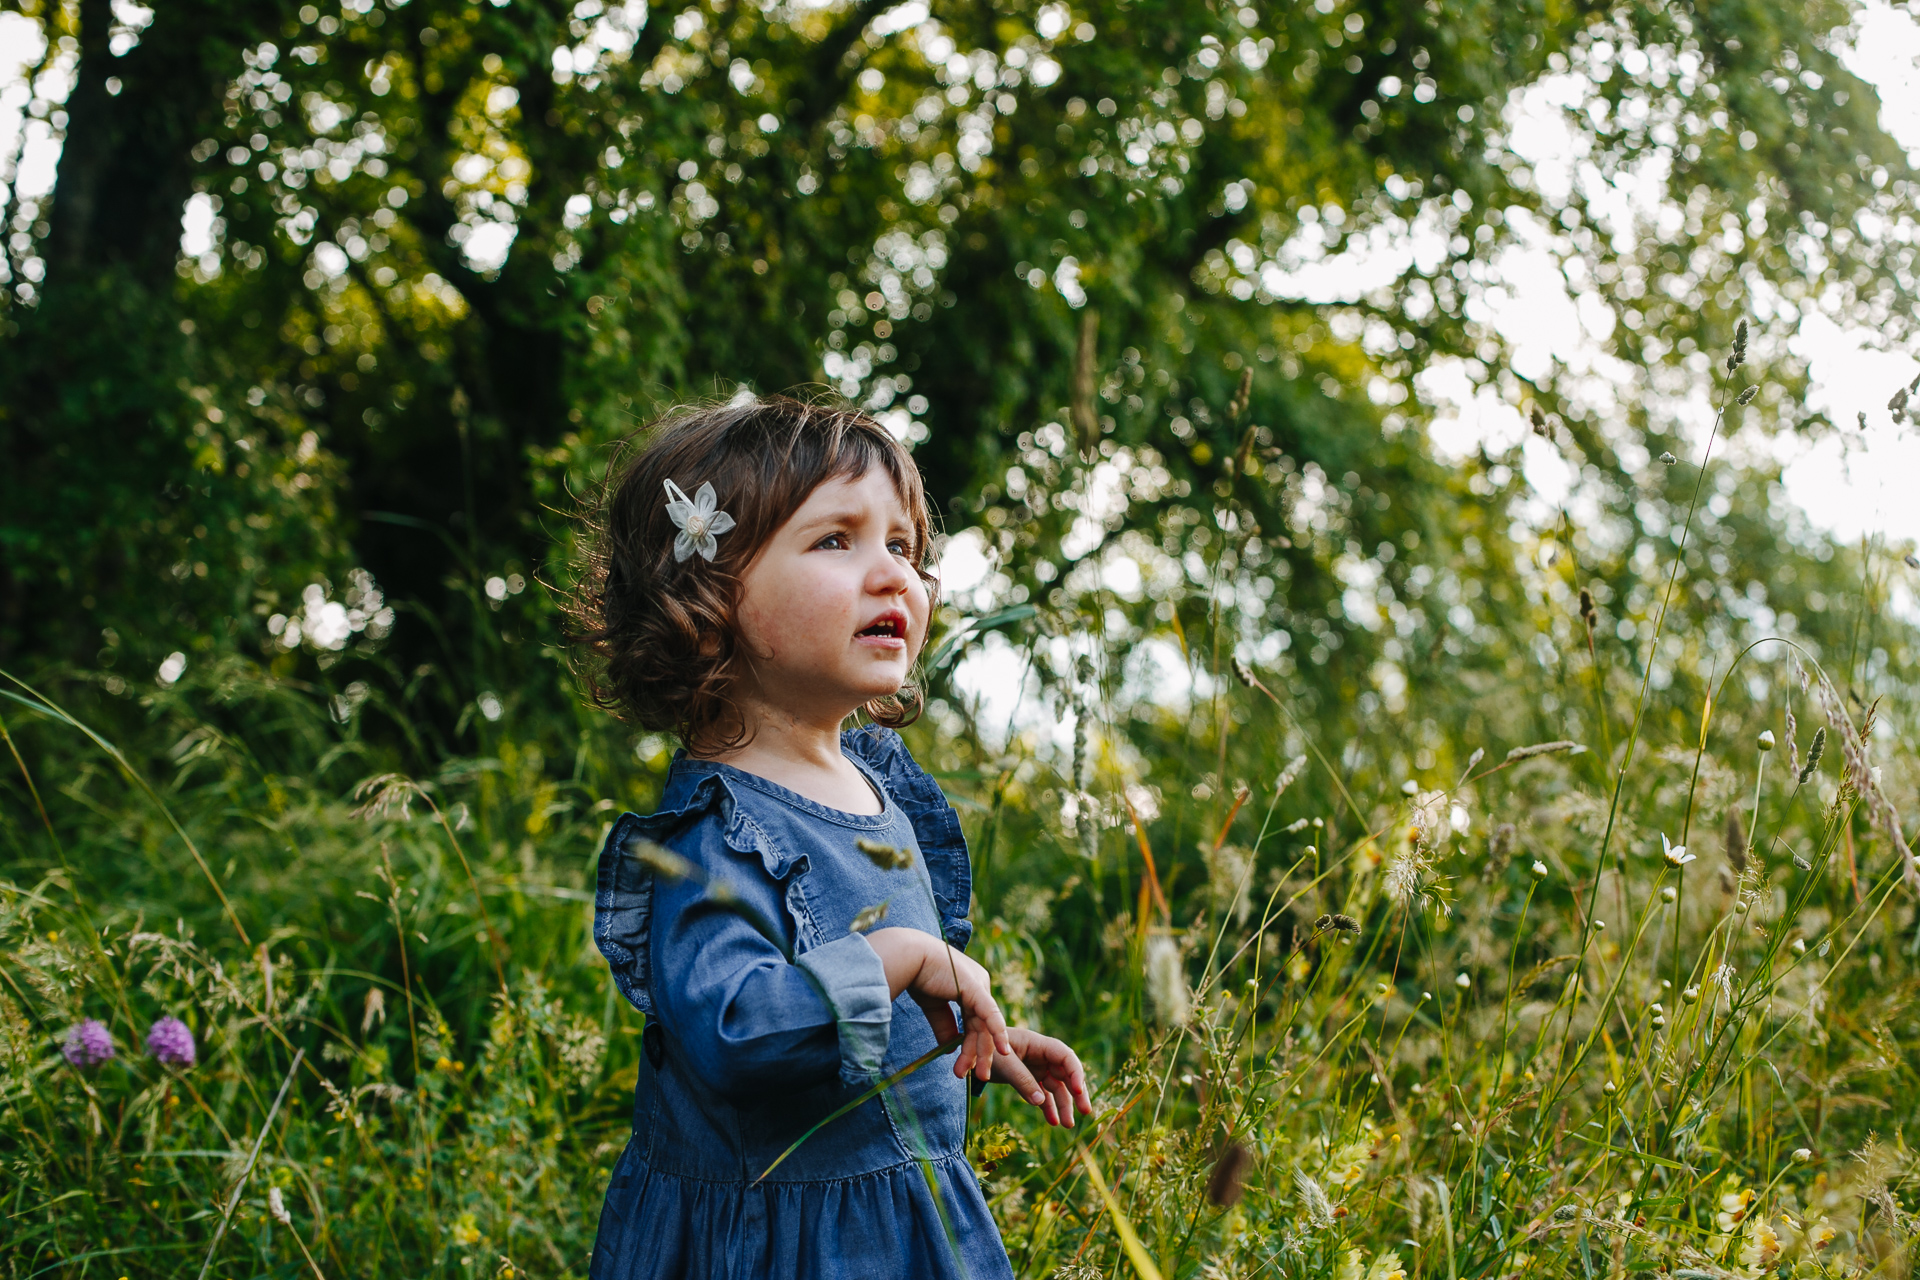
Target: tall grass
1547,1009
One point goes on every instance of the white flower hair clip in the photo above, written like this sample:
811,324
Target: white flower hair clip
698,522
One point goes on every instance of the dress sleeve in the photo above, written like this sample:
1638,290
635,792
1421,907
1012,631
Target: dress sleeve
935,825
745,1018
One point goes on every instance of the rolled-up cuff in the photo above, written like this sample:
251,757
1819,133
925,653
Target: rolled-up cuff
854,982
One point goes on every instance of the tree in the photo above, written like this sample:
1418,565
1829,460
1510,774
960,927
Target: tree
453,248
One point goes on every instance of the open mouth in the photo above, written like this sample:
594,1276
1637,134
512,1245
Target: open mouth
886,629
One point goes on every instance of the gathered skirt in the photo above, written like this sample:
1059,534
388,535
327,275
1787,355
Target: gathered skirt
871,1226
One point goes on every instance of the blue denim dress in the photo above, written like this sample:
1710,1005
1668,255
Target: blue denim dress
745,1051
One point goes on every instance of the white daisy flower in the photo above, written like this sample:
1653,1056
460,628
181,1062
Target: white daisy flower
1675,854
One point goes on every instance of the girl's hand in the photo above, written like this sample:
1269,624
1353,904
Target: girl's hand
937,977
1047,1073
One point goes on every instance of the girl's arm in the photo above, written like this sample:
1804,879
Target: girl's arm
748,1022
936,974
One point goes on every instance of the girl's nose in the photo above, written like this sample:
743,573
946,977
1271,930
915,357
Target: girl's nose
889,576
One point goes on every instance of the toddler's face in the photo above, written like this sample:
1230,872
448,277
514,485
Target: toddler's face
831,608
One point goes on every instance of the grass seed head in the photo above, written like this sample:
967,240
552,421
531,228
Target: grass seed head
1746,397
1314,1204
662,861
1587,611
1738,356
885,856
1166,982
1228,1179
1815,750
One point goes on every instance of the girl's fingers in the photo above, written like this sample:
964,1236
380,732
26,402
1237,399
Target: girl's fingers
1062,1104
1020,1076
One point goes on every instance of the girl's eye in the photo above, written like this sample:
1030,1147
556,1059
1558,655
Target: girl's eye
900,546
832,542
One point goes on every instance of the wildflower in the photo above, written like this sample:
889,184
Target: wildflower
1313,1201
1799,946
1815,750
171,1042
1675,854
88,1045
466,1231
869,917
1225,1184
1691,995
277,1206
1669,894
1668,458
1167,982
1762,1246
1538,870
1820,1235
1387,1267
1462,981
885,856
1766,739
1609,1088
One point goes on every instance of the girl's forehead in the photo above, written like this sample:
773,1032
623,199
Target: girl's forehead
857,492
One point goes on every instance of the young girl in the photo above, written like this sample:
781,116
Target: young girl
759,576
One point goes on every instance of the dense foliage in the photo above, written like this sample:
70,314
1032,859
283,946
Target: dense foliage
293,754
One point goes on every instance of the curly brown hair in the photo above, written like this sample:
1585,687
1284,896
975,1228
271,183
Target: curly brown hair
655,640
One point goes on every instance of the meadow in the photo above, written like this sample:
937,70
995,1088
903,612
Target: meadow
1487,1000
